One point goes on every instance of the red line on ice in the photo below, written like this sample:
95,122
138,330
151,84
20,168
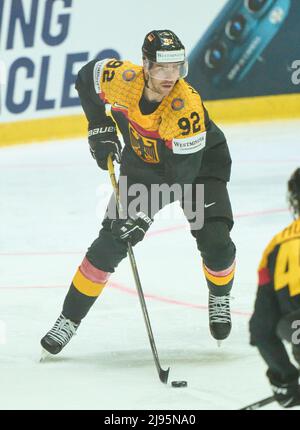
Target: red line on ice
150,234
130,291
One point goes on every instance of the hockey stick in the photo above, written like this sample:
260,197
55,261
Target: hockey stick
163,374
259,404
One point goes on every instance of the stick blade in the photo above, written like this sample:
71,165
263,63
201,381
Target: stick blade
164,375
259,404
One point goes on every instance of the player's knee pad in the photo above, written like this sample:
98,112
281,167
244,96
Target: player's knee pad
216,247
106,252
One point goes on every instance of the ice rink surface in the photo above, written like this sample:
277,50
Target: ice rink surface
52,198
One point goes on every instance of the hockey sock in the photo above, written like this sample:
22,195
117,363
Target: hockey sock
86,286
219,282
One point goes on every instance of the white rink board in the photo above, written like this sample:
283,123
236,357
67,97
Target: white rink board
43,57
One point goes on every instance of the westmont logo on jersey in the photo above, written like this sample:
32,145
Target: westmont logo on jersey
189,145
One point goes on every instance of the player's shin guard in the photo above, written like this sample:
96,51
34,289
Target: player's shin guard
219,284
86,287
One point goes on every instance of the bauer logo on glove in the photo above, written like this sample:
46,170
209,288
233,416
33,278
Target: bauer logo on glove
103,140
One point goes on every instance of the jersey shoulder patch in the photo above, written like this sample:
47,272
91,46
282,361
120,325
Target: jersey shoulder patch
183,119
117,81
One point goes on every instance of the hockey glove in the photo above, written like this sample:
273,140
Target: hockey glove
131,230
103,140
287,393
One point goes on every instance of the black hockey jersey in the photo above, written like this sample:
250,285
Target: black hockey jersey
278,295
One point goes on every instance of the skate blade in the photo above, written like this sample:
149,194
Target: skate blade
44,355
219,343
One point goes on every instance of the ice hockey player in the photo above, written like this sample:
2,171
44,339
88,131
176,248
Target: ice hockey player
169,139
276,315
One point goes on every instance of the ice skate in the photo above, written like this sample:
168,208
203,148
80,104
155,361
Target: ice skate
58,337
219,317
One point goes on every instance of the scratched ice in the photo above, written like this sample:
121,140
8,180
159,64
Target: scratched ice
51,203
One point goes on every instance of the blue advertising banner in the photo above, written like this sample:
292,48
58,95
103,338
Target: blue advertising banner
252,48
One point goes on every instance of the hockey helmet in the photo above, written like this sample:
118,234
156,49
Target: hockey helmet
163,53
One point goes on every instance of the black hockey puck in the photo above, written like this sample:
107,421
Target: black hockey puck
179,384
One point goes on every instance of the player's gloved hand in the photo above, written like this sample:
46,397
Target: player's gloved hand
103,140
286,393
131,230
